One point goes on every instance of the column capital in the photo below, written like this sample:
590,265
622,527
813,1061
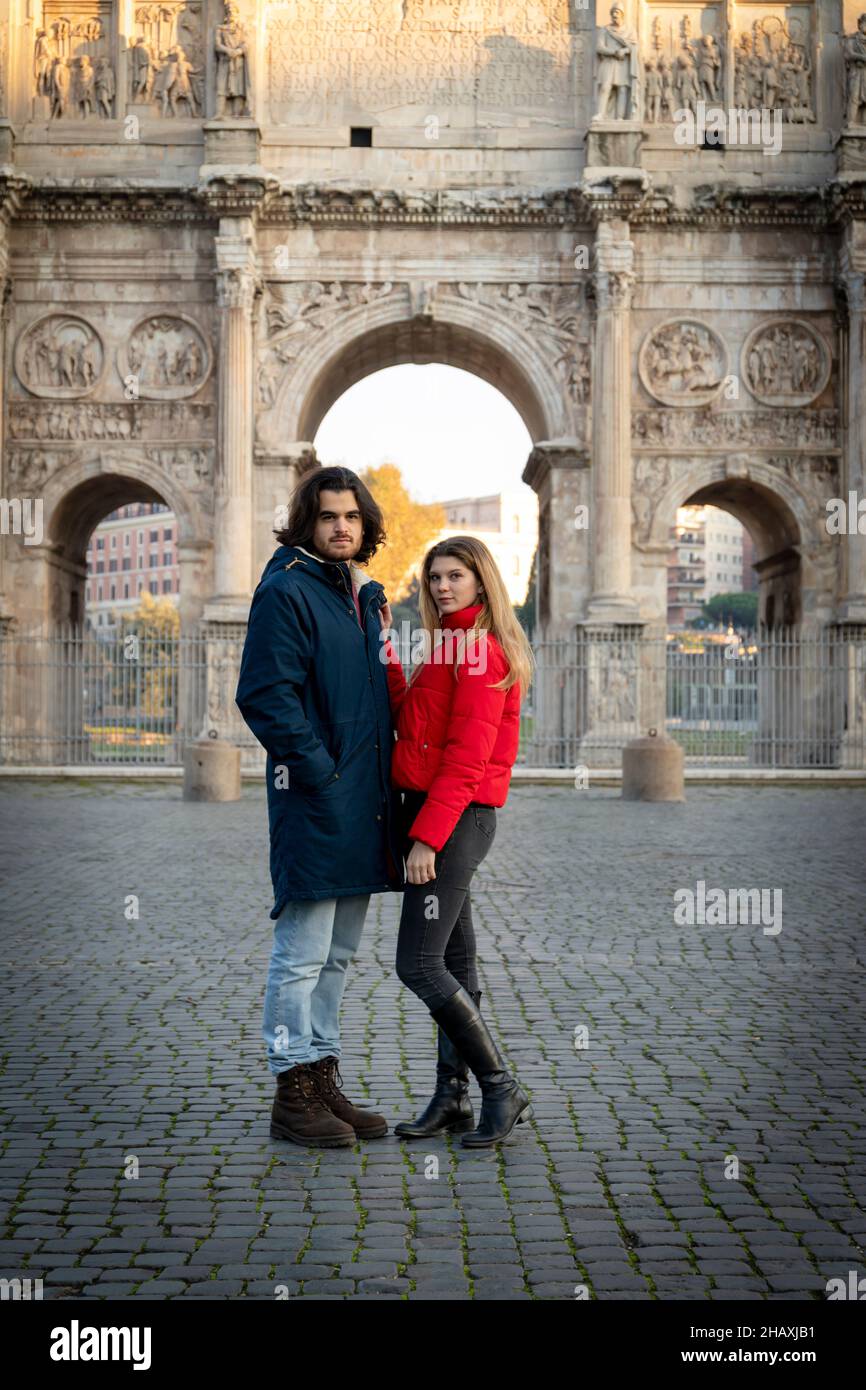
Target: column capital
236,288
237,278
613,265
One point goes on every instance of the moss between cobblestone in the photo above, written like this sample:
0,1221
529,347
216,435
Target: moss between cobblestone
503,1186
362,1222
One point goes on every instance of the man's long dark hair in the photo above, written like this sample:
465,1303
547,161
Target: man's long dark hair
304,510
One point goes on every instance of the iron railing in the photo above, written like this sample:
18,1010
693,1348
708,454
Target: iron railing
784,698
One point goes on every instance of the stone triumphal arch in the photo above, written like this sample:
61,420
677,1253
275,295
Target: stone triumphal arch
645,224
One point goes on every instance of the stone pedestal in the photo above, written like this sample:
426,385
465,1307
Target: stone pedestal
653,769
610,708
614,143
851,150
232,142
212,771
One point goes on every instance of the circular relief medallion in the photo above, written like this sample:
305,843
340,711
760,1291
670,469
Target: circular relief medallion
165,358
60,356
683,362
785,362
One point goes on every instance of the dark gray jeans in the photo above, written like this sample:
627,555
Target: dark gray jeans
436,944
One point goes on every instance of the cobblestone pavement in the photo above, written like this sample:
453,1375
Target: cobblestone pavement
131,1041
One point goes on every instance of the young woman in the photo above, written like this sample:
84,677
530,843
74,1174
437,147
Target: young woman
457,733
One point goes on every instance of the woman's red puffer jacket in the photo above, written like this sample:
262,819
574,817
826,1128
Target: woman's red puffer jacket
456,738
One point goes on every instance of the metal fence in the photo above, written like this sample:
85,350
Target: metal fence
786,698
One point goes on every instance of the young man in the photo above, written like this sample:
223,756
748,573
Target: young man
314,691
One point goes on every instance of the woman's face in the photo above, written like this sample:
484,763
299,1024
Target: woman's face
452,585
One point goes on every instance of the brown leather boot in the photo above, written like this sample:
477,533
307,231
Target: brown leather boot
298,1113
365,1123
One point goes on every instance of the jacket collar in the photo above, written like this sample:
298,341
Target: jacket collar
342,567
463,617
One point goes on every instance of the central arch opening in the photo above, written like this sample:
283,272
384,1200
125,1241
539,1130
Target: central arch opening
427,436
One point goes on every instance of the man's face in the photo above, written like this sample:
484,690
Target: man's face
340,529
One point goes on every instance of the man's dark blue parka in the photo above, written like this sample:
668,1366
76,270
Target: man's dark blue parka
315,694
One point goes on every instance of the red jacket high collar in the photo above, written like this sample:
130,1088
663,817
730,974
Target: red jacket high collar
464,617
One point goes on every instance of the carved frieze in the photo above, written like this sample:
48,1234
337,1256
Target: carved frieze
785,362
683,362
83,420
60,356
773,61
166,61
73,75
717,429
685,61
166,357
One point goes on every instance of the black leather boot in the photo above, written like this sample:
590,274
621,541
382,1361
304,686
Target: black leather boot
450,1107
504,1103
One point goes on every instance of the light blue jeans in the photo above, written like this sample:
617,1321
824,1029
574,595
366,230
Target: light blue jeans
313,944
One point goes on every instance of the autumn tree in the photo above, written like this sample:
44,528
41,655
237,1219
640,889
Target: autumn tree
411,528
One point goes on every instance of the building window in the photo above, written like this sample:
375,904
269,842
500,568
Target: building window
166,535
114,541
126,590
127,537
166,586
113,591
154,535
126,563
100,542
153,586
139,586
100,567
154,560
112,566
141,559
99,593
141,538
166,559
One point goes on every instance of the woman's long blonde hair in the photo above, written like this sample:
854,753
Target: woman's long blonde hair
496,615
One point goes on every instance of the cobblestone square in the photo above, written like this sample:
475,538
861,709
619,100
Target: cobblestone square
136,1159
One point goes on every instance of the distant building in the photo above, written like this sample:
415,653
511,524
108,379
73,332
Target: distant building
507,523
133,551
707,558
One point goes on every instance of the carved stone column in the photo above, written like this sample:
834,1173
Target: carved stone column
610,527
852,608
233,484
